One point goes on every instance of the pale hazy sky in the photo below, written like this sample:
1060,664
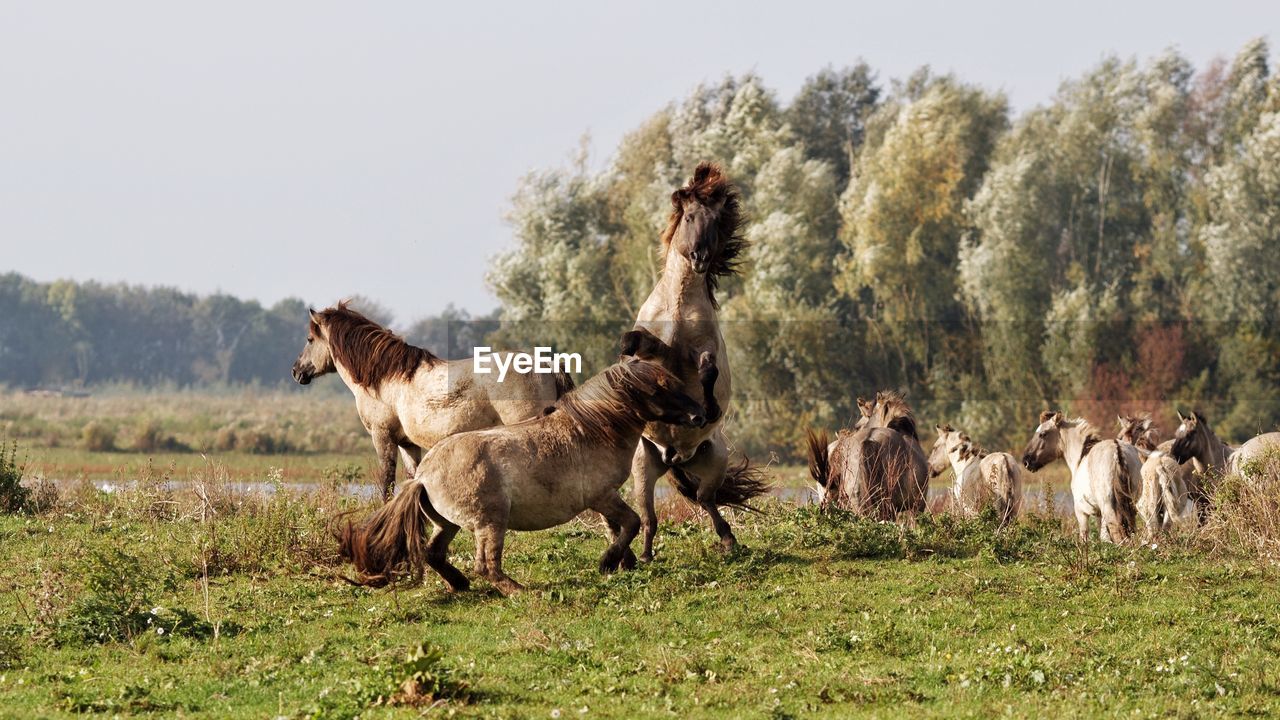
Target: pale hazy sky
324,149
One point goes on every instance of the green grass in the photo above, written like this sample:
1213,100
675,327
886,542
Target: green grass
820,615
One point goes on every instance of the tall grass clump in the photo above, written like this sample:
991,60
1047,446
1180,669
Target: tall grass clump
1246,509
14,498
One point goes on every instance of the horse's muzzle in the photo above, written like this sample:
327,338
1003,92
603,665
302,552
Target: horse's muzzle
303,375
1029,462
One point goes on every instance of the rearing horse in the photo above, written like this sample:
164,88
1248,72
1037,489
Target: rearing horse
408,398
702,243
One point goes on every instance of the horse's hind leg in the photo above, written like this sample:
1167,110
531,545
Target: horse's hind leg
438,556
646,468
623,525
489,541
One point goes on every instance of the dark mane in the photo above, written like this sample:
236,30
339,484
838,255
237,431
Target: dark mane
601,408
710,187
896,413
370,352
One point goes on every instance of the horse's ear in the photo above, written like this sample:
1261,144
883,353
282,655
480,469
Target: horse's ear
1178,412
1120,421
1046,416
1199,417
315,316
702,172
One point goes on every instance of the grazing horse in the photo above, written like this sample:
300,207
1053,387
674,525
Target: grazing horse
408,398
1167,485
702,243
982,478
531,475
1195,441
1104,473
879,469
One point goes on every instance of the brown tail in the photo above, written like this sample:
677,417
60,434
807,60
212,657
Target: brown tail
819,460
393,537
1122,494
742,482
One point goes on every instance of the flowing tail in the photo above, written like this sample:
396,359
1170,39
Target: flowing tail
394,536
819,459
742,482
1122,495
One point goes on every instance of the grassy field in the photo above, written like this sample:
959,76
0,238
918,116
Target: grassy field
191,599
150,601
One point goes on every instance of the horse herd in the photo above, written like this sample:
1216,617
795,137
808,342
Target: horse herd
533,451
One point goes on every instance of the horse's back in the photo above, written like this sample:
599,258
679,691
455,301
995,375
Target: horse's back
1254,450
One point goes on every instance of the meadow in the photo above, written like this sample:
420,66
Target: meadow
198,599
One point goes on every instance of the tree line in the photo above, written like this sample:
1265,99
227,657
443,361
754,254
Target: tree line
1113,249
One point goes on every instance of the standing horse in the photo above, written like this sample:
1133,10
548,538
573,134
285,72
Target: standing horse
702,243
1167,486
879,469
1195,441
982,478
408,398
528,476
1104,473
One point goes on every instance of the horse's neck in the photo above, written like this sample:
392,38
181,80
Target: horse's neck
1073,446
387,393
1217,453
680,293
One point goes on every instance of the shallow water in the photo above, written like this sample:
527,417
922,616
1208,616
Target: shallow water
1031,497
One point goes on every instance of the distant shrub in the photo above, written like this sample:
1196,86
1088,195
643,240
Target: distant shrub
225,439
256,442
14,497
97,437
10,647
152,438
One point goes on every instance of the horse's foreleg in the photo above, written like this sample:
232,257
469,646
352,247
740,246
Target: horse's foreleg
623,524
386,447
1082,523
709,465
489,541
646,468
708,373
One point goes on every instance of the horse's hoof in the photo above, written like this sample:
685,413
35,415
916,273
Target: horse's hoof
728,544
628,560
509,587
646,557
459,585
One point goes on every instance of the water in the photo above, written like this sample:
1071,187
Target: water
1031,497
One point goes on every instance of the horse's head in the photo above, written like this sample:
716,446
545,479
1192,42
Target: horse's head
703,230
316,358
948,437
656,395
1189,441
1046,445
1138,431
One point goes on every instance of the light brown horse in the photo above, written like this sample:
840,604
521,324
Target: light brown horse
1105,474
702,243
982,479
1168,487
408,398
528,476
879,469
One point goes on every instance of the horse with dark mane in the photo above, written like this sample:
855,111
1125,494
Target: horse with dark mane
527,476
408,398
701,244
878,469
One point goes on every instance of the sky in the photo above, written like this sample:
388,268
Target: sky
328,149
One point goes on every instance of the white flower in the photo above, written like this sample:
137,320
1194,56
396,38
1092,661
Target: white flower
159,631
555,712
